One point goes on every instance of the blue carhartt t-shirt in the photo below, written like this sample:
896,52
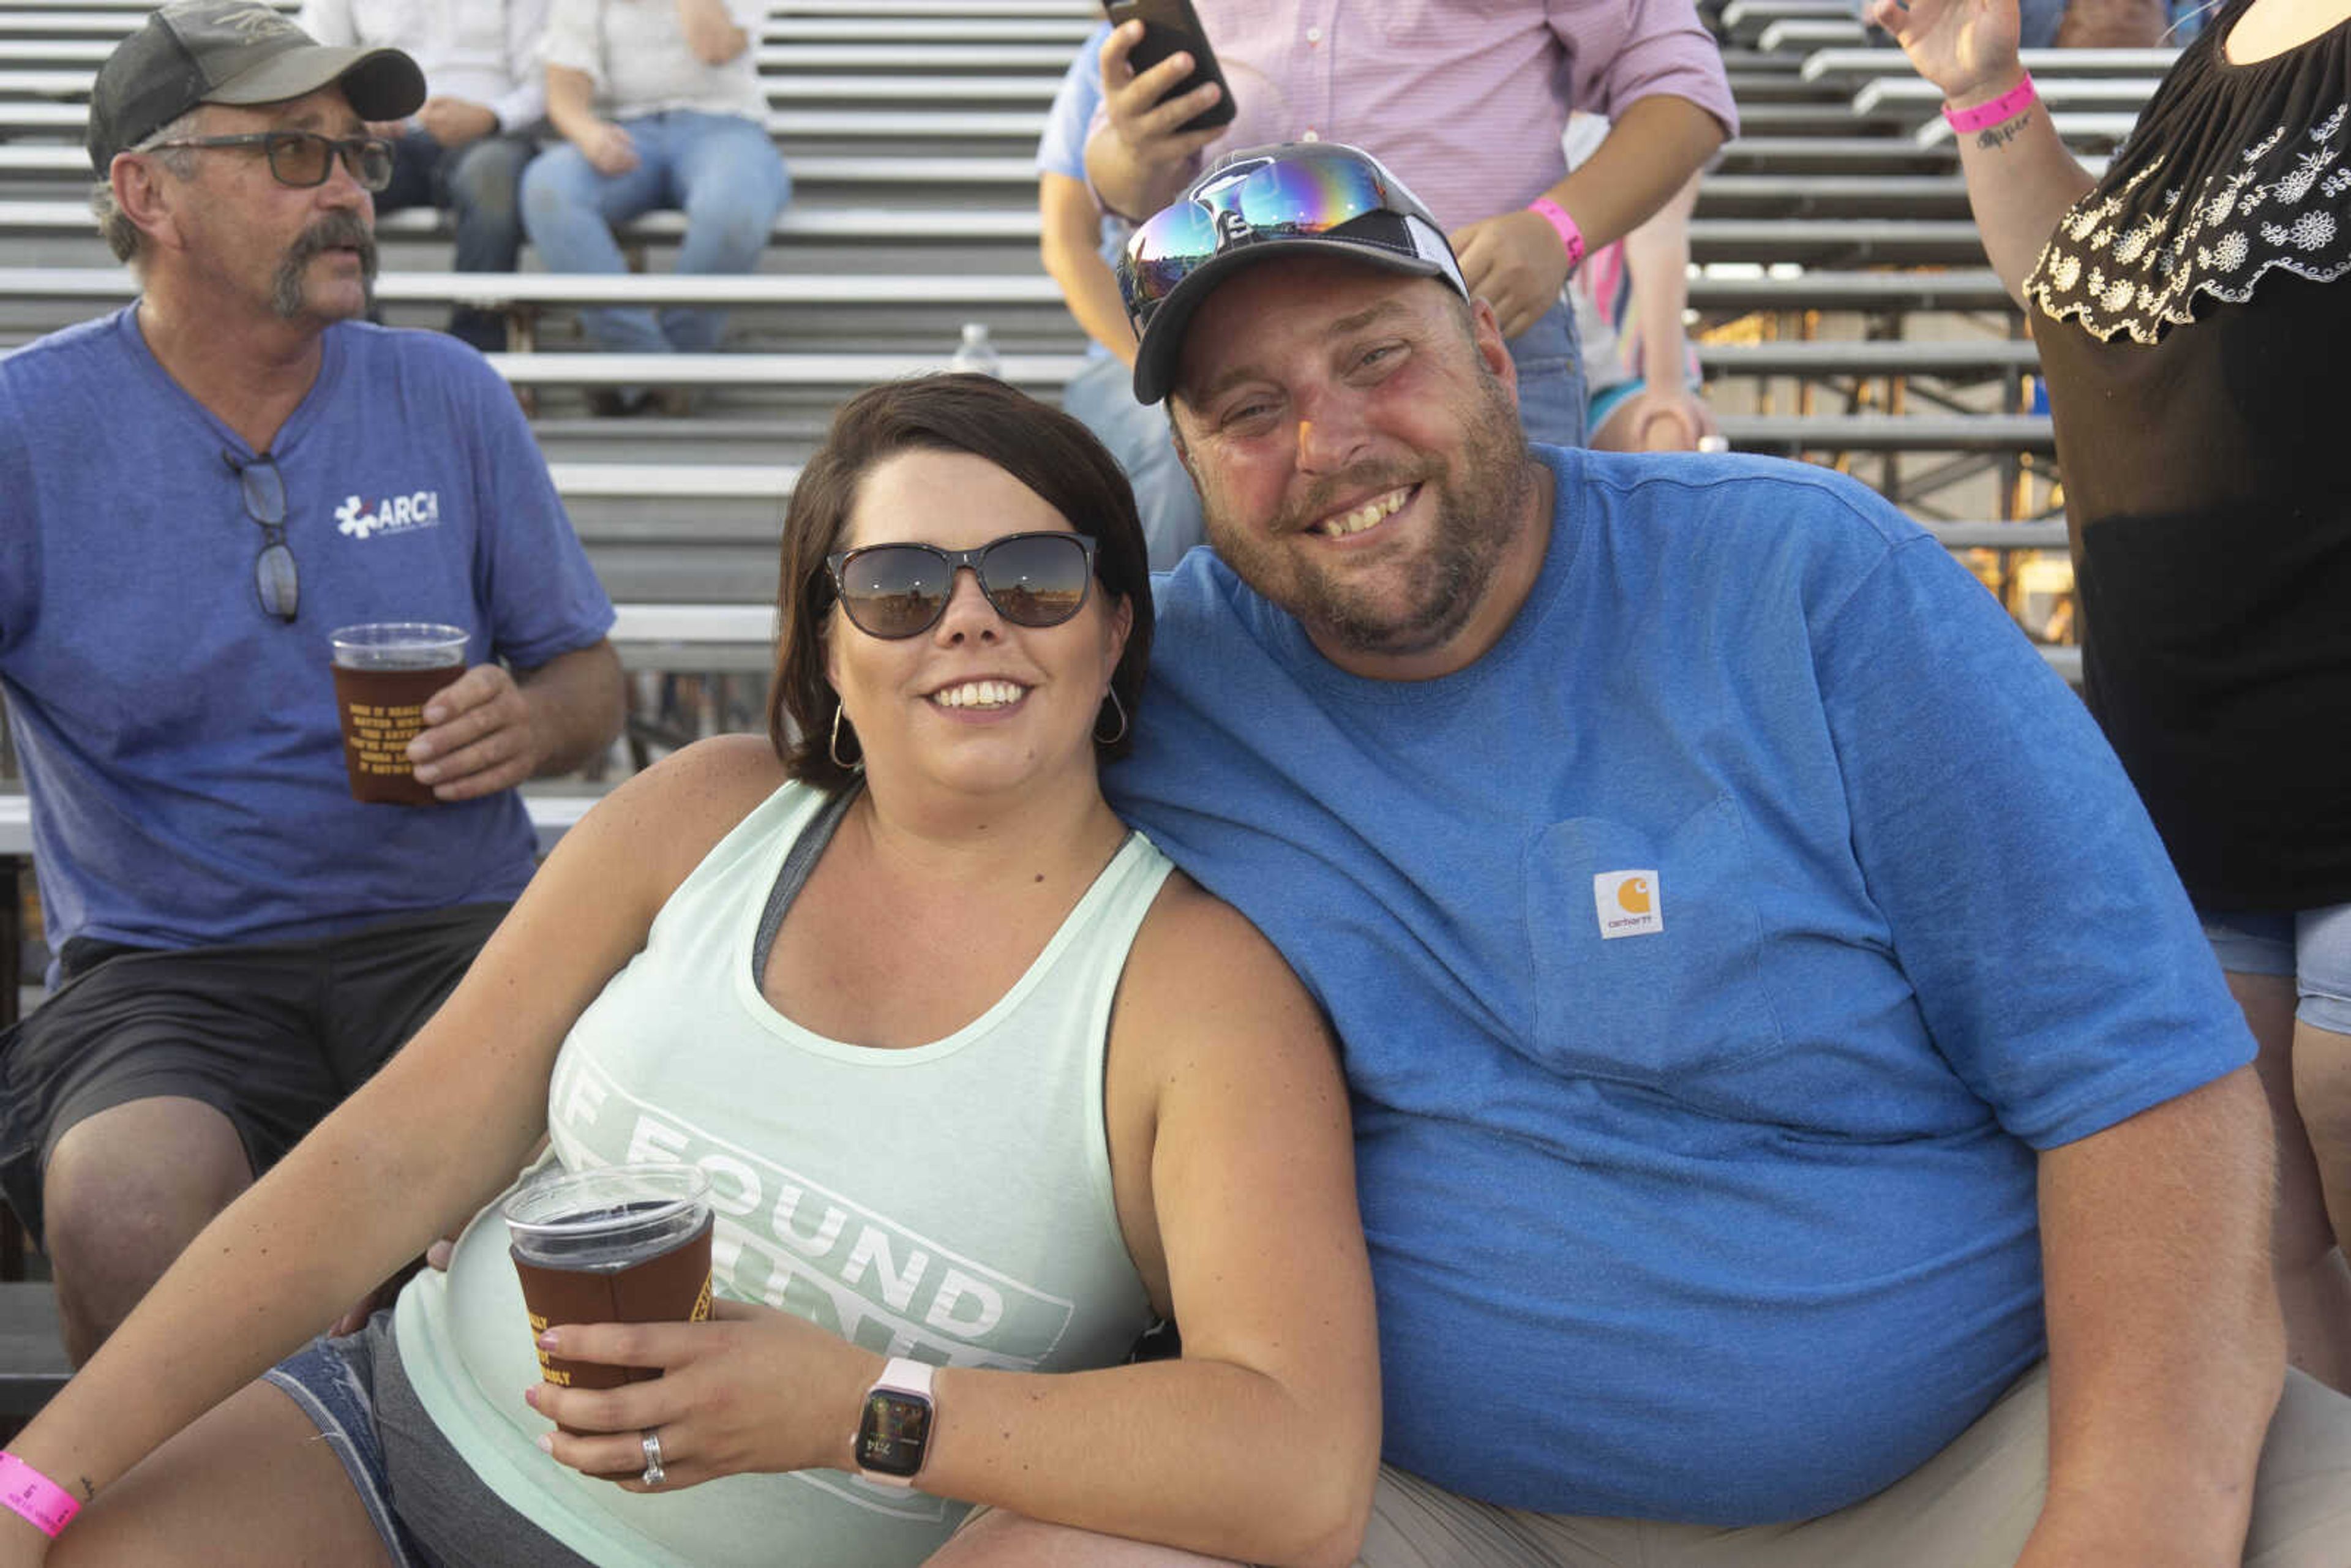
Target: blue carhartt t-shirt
180,745
1710,959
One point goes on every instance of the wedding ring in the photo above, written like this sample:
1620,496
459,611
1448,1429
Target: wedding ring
653,1473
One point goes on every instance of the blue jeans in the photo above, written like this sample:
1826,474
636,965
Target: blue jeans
1101,398
2314,946
475,183
1550,378
719,169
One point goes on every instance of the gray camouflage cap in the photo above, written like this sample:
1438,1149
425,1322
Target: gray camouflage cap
236,52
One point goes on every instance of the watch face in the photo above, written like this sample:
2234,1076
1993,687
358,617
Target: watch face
893,1433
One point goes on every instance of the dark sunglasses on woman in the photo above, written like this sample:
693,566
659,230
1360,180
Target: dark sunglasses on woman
894,590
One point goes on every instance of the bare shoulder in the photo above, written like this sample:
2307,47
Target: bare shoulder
1199,971
656,826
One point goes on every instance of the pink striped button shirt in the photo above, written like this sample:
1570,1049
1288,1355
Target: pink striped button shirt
1463,99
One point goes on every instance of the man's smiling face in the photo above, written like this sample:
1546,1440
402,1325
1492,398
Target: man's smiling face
1355,439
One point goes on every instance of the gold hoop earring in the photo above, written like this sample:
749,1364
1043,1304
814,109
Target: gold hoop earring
1118,735
834,750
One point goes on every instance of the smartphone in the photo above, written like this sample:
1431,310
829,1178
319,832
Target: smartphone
1171,26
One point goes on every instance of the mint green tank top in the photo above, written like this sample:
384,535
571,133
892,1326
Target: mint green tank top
949,1202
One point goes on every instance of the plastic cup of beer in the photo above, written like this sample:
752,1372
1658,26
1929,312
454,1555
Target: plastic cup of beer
615,1244
384,672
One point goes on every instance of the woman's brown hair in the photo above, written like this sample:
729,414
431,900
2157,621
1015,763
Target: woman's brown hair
1040,445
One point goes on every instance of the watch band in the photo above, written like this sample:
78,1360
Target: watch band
1571,238
2004,107
908,1379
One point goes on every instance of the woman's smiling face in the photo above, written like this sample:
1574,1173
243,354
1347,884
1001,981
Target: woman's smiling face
976,703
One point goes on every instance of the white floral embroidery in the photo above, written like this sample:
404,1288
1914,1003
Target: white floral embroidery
2132,245
2214,223
2307,170
2224,201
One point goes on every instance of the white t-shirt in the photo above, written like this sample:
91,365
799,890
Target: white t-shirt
636,53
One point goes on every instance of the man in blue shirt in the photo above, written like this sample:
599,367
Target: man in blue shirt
1798,1120
195,492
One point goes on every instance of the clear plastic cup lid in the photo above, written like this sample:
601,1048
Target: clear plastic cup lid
622,1204
398,645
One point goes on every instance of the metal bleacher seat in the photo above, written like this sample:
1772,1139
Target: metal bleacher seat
1849,68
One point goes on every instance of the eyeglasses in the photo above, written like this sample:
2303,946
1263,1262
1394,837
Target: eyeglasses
304,158
1304,191
275,579
896,591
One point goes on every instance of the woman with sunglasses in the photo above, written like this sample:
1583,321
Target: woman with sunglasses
982,1087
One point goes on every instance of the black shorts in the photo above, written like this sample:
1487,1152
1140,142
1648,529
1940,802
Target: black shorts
272,1035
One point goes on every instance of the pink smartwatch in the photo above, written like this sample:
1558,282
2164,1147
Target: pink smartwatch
893,1428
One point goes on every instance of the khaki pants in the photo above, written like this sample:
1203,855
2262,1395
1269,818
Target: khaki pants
1970,1506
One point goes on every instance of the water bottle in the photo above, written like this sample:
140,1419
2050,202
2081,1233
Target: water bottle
976,353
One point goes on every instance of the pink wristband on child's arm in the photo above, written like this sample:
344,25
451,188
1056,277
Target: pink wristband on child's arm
34,1498
1570,236
2004,107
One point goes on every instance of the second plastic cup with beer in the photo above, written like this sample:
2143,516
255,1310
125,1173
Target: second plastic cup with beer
618,1244
385,671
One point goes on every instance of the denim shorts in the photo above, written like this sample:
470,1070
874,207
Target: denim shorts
430,1509
2314,946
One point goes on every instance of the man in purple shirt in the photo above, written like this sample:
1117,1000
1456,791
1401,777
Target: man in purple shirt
1466,105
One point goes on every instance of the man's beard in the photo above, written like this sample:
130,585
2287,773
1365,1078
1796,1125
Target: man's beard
288,295
1480,495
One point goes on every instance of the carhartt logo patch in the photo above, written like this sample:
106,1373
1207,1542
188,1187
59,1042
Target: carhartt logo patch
1628,903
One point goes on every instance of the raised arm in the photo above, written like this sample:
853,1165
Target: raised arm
2165,1350
1071,229
441,1129
1139,161
1233,1156
2021,179
1517,261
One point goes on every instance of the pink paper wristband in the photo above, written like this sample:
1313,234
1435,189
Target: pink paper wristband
1570,236
2004,107
34,1498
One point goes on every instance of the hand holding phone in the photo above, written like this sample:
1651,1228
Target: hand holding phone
1172,27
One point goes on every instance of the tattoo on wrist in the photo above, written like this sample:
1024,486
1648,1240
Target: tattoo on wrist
1992,137
89,1492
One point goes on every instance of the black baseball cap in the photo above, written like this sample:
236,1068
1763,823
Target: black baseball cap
1297,198
238,52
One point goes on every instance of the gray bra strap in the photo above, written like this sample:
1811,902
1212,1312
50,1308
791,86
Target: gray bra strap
795,875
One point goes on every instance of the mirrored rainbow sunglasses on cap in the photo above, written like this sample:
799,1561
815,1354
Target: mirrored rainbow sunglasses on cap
1288,193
